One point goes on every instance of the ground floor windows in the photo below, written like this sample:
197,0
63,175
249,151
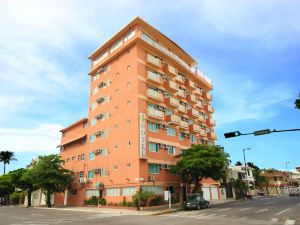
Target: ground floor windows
91,174
92,192
128,191
158,190
73,192
153,147
113,192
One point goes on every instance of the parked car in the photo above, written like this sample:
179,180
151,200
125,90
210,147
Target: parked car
294,191
196,201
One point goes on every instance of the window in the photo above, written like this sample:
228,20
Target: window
128,67
128,191
116,126
129,102
116,147
116,108
113,192
129,143
92,192
103,172
128,84
153,147
93,122
81,174
171,131
171,150
128,122
92,156
95,90
117,74
181,136
90,174
92,138
103,152
153,127
128,164
82,156
115,167
73,158
94,105
73,192
153,169
193,138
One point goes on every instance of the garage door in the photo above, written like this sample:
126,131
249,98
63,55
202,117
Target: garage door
214,193
206,193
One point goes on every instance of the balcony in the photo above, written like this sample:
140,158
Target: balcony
209,108
181,108
180,79
156,114
191,98
170,70
201,118
198,92
214,135
173,119
199,105
190,84
181,93
211,122
154,95
193,113
154,61
154,78
207,95
172,102
171,86
203,132
195,128
183,124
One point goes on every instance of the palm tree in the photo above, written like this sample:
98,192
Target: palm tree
6,157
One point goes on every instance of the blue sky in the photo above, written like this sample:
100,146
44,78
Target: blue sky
250,49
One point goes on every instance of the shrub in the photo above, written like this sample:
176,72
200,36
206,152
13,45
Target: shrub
102,201
142,197
159,200
15,198
92,201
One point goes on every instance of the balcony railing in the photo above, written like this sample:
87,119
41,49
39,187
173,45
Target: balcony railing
154,77
201,118
210,109
155,95
195,128
154,61
198,91
203,132
172,102
181,93
184,124
193,113
199,105
181,108
214,135
170,70
154,113
211,122
174,119
190,84
161,48
180,79
191,98
207,95
171,86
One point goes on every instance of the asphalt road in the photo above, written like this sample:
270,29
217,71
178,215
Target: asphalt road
264,210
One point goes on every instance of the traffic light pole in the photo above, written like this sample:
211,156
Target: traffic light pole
256,133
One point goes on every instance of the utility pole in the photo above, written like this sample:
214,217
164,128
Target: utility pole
286,168
245,149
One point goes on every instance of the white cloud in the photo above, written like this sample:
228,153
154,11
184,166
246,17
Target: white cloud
43,138
247,100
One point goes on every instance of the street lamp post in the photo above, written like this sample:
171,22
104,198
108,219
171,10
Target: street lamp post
286,168
245,149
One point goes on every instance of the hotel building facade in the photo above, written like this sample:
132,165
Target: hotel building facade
147,103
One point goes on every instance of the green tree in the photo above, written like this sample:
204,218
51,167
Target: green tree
297,103
198,162
263,181
22,179
6,157
141,198
49,174
238,163
6,187
256,171
240,188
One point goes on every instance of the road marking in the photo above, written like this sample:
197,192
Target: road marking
282,211
274,219
268,203
289,222
246,209
264,199
298,204
224,209
262,210
242,218
16,217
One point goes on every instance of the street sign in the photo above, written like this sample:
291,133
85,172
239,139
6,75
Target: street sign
166,194
262,132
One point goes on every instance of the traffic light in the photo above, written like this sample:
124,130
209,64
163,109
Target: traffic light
232,134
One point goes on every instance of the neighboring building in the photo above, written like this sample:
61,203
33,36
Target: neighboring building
147,102
239,172
277,182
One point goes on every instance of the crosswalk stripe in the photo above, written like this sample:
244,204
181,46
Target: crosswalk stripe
246,209
289,222
282,211
224,209
274,219
262,210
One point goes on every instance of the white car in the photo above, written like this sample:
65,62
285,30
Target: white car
294,191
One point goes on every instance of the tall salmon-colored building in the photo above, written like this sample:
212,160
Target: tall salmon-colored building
147,102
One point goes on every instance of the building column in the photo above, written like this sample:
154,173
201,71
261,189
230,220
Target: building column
65,197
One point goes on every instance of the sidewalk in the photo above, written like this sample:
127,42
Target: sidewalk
156,210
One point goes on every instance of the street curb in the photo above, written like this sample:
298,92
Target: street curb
165,212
